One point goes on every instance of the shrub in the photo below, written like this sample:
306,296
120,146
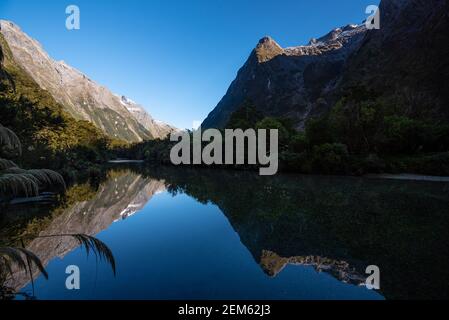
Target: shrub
318,131
273,123
330,158
298,143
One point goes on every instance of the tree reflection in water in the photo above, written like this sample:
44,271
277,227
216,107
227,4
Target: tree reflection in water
337,225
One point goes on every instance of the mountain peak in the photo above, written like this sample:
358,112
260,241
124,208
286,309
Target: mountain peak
84,99
268,41
267,49
350,27
279,80
158,129
10,24
336,35
127,100
265,40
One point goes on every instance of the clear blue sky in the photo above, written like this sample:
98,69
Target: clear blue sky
177,58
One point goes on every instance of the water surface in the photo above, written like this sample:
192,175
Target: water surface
208,234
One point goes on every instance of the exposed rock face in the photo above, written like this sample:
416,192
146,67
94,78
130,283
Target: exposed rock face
83,98
273,264
288,82
405,62
157,129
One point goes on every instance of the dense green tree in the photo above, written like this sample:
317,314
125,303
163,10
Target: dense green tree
318,131
273,123
330,158
245,117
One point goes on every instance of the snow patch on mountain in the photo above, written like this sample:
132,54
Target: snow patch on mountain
158,129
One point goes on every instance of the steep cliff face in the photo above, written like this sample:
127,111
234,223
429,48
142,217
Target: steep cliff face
405,62
273,264
288,82
81,97
52,136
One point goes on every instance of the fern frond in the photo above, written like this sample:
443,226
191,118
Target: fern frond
26,260
18,184
13,170
91,244
48,177
20,257
99,248
9,138
16,181
6,164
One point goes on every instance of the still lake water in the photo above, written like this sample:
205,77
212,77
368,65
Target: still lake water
208,234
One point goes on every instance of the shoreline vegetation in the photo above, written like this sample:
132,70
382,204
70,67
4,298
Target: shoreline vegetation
386,176
363,133
16,182
376,142
409,177
21,186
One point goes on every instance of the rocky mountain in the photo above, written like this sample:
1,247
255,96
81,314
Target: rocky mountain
53,138
405,61
288,82
273,264
83,98
157,129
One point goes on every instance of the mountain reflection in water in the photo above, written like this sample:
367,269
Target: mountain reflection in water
217,235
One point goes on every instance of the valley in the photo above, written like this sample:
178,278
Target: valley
321,160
